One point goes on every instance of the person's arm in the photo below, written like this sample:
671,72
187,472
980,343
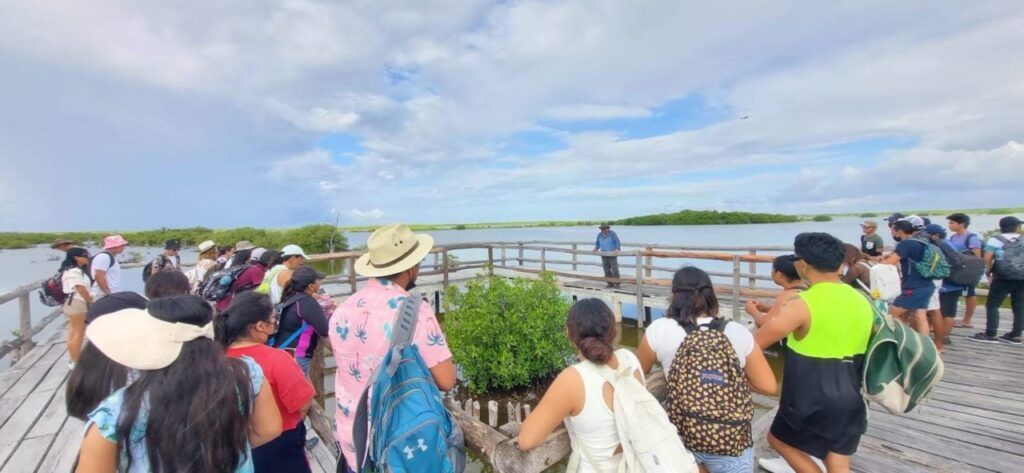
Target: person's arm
975,251
313,314
97,454
597,242
755,310
444,375
265,424
559,402
852,273
646,355
284,276
990,260
759,372
615,240
83,292
101,281
794,315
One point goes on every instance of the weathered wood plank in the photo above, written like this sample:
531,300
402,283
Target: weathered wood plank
14,430
19,393
29,454
64,450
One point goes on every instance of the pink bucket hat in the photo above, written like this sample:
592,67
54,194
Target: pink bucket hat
114,241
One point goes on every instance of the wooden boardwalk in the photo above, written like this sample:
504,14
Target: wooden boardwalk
973,422
36,434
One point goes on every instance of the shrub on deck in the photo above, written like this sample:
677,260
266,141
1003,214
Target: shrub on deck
507,333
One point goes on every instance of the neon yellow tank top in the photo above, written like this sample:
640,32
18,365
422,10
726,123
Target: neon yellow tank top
841,320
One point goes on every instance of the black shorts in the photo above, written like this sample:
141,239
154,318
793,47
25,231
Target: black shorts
812,443
970,291
948,302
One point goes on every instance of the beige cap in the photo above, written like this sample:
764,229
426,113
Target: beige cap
206,245
244,245
136,339
869,223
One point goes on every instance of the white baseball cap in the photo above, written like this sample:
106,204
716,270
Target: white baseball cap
293,250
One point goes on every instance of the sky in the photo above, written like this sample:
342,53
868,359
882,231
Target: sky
142,114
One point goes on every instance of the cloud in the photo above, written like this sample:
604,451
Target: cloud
447,102
373,214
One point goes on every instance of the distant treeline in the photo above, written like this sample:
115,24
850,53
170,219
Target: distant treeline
312,238
707,217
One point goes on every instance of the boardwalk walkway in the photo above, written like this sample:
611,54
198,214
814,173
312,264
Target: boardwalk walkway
974,420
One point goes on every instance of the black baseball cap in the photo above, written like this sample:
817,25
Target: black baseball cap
1008,224
113,303
894,217
305,275
172,244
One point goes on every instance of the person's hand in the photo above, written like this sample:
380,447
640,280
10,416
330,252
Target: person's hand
752,307
594,250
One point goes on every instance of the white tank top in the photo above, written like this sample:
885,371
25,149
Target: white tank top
275,289
594,428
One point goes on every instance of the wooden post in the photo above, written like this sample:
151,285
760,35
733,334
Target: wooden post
437,263
25,323
492,413
543,259
639,291
575,253
753,270
503,256
444,266
490,260
352,273
649,263
736,288
520,254
617,309
316,371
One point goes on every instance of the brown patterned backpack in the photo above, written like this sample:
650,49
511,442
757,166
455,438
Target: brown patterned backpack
708,395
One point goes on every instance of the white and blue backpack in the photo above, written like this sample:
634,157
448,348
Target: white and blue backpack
410,430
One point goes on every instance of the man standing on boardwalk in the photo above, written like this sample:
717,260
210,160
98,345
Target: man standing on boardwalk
871,243
608,246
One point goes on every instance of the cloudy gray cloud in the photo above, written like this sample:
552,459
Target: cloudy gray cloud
125,114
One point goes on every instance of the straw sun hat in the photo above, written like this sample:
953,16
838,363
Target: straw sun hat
393,249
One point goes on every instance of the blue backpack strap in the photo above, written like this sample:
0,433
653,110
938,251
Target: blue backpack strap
291,338
405,326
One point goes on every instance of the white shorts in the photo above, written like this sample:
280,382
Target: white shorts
933,303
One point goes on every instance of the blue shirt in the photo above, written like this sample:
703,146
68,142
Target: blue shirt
105,417
609,242
967,242
910,252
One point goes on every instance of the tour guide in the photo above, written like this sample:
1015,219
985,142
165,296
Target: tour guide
608,245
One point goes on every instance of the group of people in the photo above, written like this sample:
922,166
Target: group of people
930,305
148,361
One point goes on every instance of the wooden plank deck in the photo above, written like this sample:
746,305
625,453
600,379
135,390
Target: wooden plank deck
973,422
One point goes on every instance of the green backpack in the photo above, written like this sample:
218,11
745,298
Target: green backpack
933,265
901,366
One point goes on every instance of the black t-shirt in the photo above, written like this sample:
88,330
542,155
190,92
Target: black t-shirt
301,307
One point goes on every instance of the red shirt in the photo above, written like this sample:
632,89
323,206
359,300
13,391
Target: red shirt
290,387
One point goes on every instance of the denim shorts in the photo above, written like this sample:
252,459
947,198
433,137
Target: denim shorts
916,298
744,463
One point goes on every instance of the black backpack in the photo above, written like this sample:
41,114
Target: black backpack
965,269
218,285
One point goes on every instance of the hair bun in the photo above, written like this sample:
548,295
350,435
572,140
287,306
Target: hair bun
596,349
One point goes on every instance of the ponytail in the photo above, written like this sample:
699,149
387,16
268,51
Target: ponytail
692,296
591,327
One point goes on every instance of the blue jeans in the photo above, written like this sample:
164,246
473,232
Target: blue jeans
744,463
304,364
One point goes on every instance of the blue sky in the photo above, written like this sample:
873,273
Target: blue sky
125,115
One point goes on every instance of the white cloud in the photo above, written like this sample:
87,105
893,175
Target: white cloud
433,91
372,214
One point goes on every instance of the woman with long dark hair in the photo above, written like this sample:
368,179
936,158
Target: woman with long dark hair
192,408
303,320
694,307
96,376
579,396
75,281
783,274
244,329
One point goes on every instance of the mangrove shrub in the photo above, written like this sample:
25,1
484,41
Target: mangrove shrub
707,217
507,333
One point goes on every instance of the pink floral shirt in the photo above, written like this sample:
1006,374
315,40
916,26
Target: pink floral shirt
360,333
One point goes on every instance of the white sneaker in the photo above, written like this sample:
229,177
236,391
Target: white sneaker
779,465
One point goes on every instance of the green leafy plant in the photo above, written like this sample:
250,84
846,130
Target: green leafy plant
822,218
507,333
